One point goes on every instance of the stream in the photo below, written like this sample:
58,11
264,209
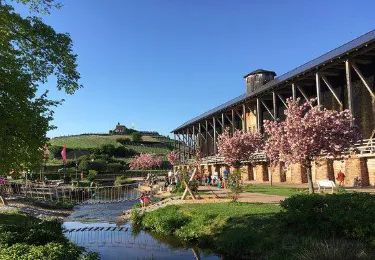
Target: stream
104,232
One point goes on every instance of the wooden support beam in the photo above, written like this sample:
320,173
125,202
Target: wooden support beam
244,128
207,133
214,121
230,121
233,121
349,86
304,94
274,103
188,142
194,140
282,100
325,80
267,108
222,122
355,67
318,92
258,115
294,92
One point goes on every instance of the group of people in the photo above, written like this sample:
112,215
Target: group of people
145,199
150,179
213,179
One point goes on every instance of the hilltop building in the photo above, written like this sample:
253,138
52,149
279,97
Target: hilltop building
340,79
119,128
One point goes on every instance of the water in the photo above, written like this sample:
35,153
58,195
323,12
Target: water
121,242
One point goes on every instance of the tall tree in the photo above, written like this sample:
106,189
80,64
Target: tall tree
30,52
235,149
307,134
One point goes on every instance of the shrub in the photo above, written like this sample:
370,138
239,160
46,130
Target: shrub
55,151
164,221
122,180
92,175
312,249
108,149
136,137
122,151
114,167
123,140
350,215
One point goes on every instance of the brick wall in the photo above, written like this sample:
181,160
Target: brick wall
298,173
277,173
323,169
371,170
356,167
261,172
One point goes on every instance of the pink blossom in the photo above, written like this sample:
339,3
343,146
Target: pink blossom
238,147
145,161
173,157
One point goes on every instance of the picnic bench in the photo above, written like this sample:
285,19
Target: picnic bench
323,184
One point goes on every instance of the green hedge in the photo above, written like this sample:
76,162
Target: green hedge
350,215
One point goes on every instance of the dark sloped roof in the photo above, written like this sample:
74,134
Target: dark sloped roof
259,71
346,48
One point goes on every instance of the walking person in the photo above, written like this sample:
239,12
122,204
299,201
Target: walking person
340,178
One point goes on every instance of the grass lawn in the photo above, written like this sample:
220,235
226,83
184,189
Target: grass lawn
274,190
228,227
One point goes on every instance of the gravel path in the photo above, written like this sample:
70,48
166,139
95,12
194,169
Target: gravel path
37,211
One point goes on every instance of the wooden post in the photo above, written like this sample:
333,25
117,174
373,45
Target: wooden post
214,126
174,143
244,125
188,142
294,93
332,91
318,93
350,89
259,127
233,120
207,151
360,75
194,140
222,122
274,105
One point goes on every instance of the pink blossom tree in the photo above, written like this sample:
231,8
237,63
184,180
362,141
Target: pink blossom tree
235,149
144,161
173,157
307,134
238,147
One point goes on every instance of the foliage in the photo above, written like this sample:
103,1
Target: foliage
122,180
55,151
339,249
238,147
144,161
92,175
143,173
136,137
274,190
136,217
25,237
123,141
30,52
235,184
114,167
349,215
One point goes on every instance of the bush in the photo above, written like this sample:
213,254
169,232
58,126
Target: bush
123,140
55,151
164,221
122,180
312,249
92,175
136,137
349,215
122,151
114,167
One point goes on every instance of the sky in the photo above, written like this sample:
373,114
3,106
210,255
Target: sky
159,63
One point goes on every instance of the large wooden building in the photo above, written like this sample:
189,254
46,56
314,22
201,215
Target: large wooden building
340,79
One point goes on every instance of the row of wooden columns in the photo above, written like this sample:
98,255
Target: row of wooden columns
190,141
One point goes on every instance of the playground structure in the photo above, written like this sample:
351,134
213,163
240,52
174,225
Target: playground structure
75,195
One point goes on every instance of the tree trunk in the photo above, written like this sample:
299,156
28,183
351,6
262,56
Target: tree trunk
309,180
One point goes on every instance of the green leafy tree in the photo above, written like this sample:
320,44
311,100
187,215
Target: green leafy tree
136,137
30,52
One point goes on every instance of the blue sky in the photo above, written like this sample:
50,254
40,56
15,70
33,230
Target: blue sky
159,63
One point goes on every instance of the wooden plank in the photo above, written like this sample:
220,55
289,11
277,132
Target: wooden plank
187,188
350,89
244,125
258,115
214,127
233,121
294,92
325,80
355,67
282,100
318,92
223,122
304,95
274,103
267,108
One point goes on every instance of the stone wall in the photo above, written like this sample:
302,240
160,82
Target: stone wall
323,170
371,170
261,172
356,167
298,173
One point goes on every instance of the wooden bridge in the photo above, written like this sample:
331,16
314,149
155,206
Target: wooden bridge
75,195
